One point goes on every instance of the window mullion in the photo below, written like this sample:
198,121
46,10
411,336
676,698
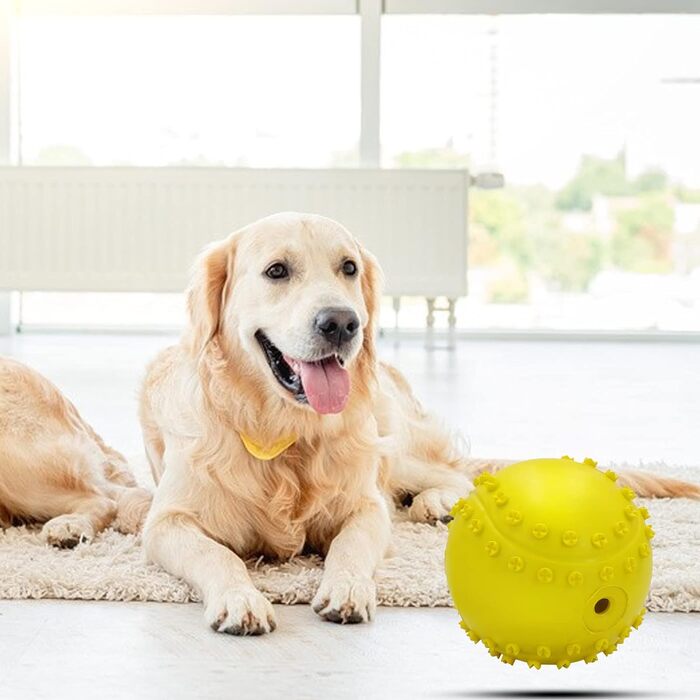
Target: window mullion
6,86
371,15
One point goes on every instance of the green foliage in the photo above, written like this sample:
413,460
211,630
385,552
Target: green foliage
516,232
503,215
687,195
61,155
198,161
445,157
643,237
483,249
569,261
602,176
509,287
594,176
653,180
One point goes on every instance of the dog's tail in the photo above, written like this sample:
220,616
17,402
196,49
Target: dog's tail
644,484
649,485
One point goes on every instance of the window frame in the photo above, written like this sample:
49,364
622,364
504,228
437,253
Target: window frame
329,7
370,12
185,7
525,7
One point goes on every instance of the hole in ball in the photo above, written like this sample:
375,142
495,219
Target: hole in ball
601,606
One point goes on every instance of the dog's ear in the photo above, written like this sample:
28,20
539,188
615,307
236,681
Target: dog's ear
372,283
207,293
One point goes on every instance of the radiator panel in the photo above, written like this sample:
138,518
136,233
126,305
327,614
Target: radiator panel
139,229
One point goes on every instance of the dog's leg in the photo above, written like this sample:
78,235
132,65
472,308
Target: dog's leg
232,604
58,480
153,441
427,462
434,488
438,490
132,501
85,516
174,539
347,592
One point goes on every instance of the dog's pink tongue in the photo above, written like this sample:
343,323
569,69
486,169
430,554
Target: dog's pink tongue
326,385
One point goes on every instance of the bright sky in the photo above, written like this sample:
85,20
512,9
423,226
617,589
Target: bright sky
239,90
284,91
566,85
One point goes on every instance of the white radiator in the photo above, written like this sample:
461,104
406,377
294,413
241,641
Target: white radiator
139,229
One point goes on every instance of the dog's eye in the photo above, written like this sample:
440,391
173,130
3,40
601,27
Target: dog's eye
278,271
349,268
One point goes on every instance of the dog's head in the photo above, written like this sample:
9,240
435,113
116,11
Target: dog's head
298,295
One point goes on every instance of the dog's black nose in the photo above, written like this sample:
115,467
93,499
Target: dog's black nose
337,325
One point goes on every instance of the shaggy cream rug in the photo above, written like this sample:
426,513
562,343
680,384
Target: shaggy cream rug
113,566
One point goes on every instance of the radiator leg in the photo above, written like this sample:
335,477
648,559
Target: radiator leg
5,313
430,323
452,322
430,318
396,303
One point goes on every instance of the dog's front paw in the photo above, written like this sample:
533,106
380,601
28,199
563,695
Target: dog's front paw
431,505
241,610
67,531
346,599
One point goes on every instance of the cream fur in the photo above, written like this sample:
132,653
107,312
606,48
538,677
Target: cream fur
55,469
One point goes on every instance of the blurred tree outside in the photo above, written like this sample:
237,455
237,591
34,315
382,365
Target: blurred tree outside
499,241
570,262
509,285
653,180
61,155
520,232
594,176
198,161
687,195
440,157
643,237
608,177
500,216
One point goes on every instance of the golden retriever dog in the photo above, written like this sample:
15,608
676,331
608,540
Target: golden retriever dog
54,468
272,428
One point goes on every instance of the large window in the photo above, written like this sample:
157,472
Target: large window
591,118
250,91
593,121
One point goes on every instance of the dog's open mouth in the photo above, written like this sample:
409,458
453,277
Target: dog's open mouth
324,384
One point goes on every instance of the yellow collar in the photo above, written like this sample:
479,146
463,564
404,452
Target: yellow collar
266,453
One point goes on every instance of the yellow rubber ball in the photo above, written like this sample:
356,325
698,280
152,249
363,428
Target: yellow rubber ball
549,562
